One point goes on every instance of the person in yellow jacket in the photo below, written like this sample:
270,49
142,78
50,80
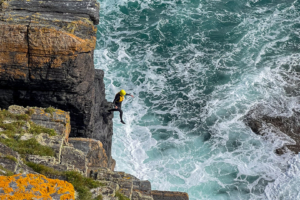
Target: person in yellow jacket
119,98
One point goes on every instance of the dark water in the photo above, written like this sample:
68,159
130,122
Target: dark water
196,67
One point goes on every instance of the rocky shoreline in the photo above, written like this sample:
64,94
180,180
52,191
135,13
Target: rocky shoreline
46,62
280,127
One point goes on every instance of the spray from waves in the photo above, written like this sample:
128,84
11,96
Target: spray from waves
284,186
196,68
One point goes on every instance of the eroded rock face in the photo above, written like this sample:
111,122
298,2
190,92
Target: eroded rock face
93,150
46,59
10,161
78,154
127,184
273,124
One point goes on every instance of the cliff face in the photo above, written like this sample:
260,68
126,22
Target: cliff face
35,141
46,59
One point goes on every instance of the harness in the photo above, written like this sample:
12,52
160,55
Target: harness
121,98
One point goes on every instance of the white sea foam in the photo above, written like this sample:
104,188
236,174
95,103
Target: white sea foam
184,128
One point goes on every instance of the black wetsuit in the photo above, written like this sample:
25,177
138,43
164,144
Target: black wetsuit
118,102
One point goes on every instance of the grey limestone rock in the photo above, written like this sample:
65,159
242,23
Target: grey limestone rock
26,136
143,187
55,142
126,187
166,195
3,136
139,196
93,150
10,160
74,157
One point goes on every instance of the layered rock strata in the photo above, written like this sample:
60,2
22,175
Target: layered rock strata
132,187
79,154
84,155
46,59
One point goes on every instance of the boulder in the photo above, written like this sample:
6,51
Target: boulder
274,124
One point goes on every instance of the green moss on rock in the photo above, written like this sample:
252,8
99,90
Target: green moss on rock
5,172
30,146
121,196
37,129
11,158
50,110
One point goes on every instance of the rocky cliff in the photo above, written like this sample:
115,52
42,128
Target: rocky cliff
35,141
46,60
279,126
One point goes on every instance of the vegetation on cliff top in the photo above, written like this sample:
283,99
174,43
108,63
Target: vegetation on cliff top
121,196
5,172
13,126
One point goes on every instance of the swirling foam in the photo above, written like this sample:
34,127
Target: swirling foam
196,68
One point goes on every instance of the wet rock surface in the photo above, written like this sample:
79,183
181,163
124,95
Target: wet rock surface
273,124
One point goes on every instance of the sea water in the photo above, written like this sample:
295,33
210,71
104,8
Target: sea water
195,68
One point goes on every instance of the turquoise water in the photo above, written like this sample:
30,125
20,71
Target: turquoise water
195,68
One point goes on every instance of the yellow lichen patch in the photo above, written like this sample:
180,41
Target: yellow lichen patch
5,5
39,62
13,38
48,41
16,74
16,187
44,61
56,63
18,59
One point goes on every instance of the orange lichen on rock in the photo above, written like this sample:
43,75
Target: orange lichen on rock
34,186
63,117
68,127
13,38
16,58
17,74
45,41
38,62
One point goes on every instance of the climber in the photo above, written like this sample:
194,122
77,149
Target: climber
118,103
